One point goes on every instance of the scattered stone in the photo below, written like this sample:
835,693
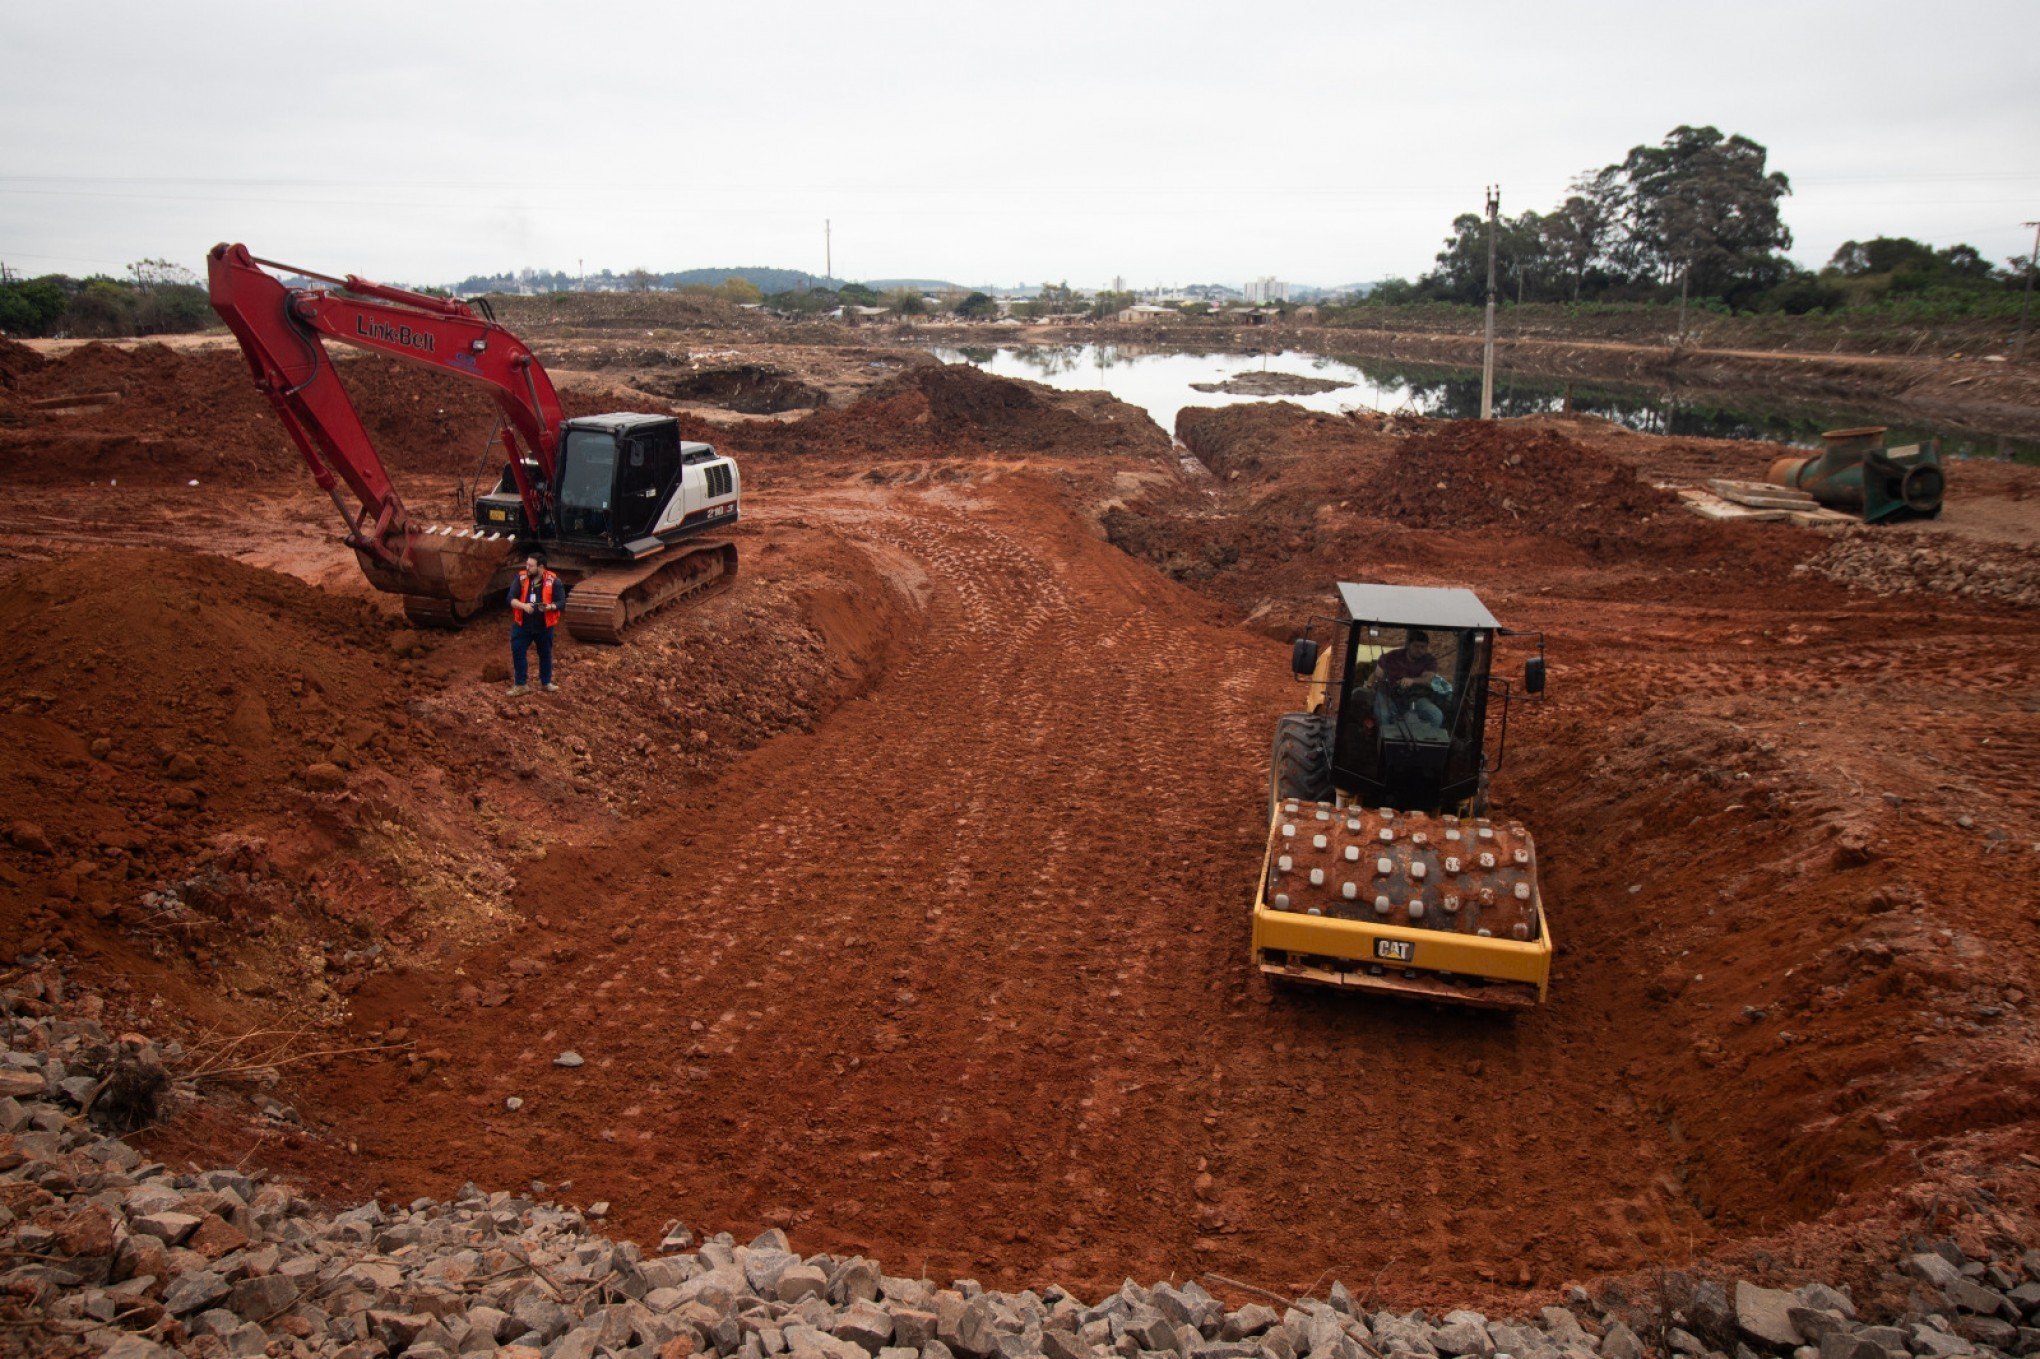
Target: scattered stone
193,1292
866,1325
1462,1338
223,1265
1932,1269
1974,1297
169,1228
1820,1295
1764,1317
1620,1342
20,1084
1848,1345
1253,1319
1814,1323
569,1058
800,1281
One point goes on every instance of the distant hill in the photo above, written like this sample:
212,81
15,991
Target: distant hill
926,285
766,280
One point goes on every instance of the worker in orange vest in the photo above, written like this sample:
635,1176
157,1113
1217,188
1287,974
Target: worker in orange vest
536,598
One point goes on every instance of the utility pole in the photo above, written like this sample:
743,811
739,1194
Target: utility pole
1487,348
828,250
581,269
2026,302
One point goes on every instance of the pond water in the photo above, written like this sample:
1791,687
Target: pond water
1159,381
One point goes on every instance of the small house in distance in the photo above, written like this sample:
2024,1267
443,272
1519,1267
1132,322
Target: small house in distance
1144,314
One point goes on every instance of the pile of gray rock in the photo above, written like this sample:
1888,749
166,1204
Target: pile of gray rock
105,1251
1888,562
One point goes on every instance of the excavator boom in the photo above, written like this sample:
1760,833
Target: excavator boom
282,330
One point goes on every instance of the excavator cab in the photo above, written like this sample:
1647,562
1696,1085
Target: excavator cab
1383,870
628,484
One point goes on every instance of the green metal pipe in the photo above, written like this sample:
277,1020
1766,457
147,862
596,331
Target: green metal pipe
1856,473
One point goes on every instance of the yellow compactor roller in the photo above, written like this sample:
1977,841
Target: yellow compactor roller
1384,871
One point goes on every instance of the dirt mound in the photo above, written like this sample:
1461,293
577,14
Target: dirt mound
1307,499
168,697
948,409
225,771
1472,474
1247,438
16,361
179,416
151,413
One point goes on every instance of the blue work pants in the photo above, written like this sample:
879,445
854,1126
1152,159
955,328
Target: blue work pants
522,639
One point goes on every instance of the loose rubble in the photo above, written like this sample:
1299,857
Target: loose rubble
109,1252
1895,564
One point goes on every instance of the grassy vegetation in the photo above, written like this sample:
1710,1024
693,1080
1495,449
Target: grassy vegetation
157,299
1926,323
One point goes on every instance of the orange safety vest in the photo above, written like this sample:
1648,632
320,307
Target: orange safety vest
547,608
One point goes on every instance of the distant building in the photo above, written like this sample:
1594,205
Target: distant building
1145,315
1262,291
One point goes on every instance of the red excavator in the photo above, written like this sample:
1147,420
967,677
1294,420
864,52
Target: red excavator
614,501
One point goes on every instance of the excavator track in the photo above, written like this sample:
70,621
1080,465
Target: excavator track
601,605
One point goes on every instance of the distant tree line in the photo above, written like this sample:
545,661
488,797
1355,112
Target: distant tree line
1696,216
758,280
898,301
157,298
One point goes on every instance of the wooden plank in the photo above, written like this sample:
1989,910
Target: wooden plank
1735,484
71,401
1763,495
1716,508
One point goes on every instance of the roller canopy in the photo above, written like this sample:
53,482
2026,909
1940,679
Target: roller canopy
1415,606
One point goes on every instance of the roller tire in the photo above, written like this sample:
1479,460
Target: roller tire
1300,763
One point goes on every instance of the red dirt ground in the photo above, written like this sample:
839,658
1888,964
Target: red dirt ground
898,895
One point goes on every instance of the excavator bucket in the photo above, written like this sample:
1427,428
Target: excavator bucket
1439,908
445,575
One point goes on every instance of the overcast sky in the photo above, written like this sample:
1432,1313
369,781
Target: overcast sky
1162,142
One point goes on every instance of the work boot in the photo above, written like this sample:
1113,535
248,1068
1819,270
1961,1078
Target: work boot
550,687
519,690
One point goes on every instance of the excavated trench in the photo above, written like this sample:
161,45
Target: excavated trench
959,978
748,388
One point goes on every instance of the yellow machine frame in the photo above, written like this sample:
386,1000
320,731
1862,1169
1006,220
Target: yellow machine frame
1509,973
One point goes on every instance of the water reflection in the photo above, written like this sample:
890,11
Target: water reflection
1158,381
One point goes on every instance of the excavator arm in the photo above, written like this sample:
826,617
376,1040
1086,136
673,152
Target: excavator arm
281,331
